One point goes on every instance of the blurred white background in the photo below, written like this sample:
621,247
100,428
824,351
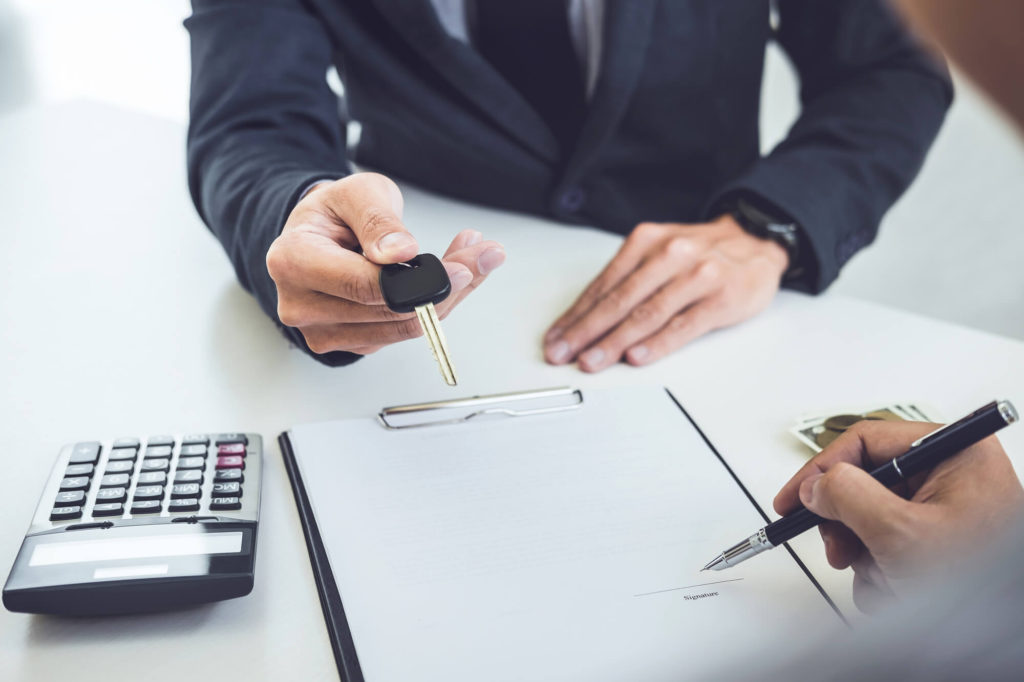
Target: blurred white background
950,249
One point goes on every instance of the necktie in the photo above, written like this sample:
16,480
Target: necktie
528,42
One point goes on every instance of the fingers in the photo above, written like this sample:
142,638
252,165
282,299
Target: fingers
866,444
349,336
842,547
684,327
306,260
304,308
370,205
645,320
630,254
462,240
614,307
848,494
330,323
871,590
478,260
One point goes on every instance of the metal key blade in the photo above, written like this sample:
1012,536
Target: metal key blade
427,316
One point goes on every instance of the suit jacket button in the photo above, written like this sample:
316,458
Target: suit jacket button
572,199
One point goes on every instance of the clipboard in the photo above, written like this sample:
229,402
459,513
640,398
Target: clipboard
517,405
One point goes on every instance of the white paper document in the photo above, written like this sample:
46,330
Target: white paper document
565,546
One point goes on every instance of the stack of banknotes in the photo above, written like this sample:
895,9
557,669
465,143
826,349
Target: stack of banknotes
817,431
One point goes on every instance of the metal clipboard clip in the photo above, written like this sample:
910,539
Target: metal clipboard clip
461,410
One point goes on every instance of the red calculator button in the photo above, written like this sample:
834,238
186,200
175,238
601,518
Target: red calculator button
232,462
231,449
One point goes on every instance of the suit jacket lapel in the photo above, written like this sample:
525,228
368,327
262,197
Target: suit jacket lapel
417,22
627,33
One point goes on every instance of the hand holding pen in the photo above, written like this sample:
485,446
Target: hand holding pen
931,520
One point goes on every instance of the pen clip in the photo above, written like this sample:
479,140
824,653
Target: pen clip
931,434
1004,408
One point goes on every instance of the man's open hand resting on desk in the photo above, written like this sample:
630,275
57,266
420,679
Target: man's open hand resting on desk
965,503
667,285
326,262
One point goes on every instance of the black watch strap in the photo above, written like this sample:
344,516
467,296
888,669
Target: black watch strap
765,224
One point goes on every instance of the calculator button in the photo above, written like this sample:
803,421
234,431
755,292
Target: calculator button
160,440
155,464
69,498
85,453
183,505
108,509
229,475
61,513
193,438
197,450
191,476
122,466
125,443
185,490
225,503
75,483
191,463
111,495
122,454
79,470
223,438
115,480
145,506
231,449
228,488
148,492
232,462
152,478
155,452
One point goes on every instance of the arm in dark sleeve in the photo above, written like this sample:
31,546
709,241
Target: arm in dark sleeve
263,125
872,103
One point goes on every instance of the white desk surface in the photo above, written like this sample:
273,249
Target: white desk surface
123,317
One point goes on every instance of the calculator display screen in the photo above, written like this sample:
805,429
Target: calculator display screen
141,547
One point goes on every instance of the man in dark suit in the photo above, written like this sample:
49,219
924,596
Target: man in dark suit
638,116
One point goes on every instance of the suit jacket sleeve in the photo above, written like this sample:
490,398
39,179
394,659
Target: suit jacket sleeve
872,102
263,125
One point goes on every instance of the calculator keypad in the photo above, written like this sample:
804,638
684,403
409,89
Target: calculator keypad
75,483
108,509
145,507
122,454
149,492
64,513
85,453
79,470
139,477
229,475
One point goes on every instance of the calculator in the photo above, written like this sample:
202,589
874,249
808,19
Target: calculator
142,524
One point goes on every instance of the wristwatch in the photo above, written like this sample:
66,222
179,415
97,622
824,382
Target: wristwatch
761,223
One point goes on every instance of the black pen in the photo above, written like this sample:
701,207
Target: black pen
924,453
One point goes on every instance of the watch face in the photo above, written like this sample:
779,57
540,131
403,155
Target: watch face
784,231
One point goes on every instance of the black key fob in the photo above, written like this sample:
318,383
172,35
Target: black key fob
414,283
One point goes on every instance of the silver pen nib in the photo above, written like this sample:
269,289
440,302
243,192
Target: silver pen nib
740,552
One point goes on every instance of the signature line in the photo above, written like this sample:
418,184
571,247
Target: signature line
688,587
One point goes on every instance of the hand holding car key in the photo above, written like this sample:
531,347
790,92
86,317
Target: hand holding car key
416,285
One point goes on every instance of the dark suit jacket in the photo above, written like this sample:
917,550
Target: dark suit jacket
672,126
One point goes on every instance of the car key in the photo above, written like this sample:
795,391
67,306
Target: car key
417,285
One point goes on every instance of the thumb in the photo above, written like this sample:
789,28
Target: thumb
370,204
848,494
